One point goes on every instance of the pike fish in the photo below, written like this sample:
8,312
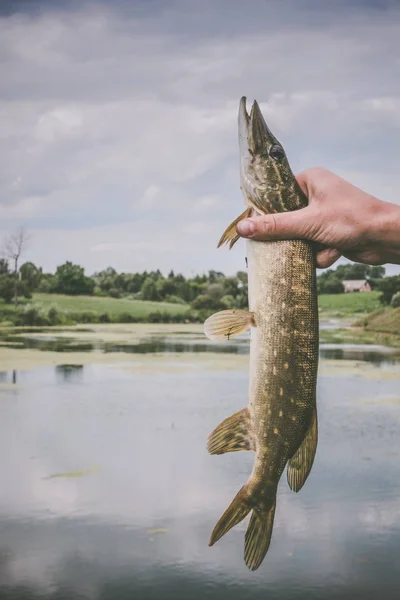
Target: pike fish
280,422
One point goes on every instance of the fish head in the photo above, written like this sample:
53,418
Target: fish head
266,179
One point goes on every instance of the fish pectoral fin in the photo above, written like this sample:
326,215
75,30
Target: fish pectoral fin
226,324
258,536
299,466
259,206
232,435
230,234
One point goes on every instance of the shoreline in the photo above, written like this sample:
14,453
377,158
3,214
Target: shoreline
332,330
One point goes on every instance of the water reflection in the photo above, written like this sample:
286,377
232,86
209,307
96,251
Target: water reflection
8,376
179,343
69,373
358,352
138,526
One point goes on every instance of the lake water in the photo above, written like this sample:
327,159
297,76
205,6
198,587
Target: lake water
108,492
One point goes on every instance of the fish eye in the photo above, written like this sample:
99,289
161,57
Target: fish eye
277,152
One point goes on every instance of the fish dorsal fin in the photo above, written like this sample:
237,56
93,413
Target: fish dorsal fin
299,466
224,325
230,234
232,435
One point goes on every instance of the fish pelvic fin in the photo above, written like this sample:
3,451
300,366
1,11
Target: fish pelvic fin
230,234
224,325
232,435
299,466
259,531
258,536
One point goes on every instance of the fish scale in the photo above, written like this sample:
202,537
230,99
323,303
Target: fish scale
280,422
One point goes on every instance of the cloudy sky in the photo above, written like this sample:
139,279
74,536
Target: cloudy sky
118,137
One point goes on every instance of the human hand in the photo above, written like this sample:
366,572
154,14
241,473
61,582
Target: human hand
340,218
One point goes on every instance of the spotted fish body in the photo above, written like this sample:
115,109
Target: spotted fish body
280,422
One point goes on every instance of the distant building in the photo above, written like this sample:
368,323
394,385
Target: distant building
356,285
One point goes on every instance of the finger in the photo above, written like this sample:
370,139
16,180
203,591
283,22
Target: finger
326,258
309,179
279,226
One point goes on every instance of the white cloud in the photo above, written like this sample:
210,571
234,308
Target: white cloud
109,115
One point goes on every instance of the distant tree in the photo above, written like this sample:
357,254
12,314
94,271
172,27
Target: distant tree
206,302
166,287
232,286
228,301
214,276
71,279
105,280
330,284
15,246
242,276
149,290
10,284
4,270
6,281
6,286
47,284
135,282
30,275
395,302
376,272
389,286
356,271
215,291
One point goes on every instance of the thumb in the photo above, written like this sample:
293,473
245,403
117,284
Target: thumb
278,226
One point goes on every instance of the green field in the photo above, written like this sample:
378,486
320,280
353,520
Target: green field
348,305
100,305
59,309
333,305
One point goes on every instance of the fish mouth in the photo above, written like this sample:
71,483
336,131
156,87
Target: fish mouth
255,142
254,135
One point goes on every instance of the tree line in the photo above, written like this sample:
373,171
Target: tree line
210,291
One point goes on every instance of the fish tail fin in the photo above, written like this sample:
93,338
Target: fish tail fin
259,531
258,535
238,509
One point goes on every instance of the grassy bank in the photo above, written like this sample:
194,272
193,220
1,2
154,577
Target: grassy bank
374,324
358,335
380,327
385,320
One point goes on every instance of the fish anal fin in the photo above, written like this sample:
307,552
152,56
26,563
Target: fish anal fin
224,325
230,234
299,466
258,536
232,435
